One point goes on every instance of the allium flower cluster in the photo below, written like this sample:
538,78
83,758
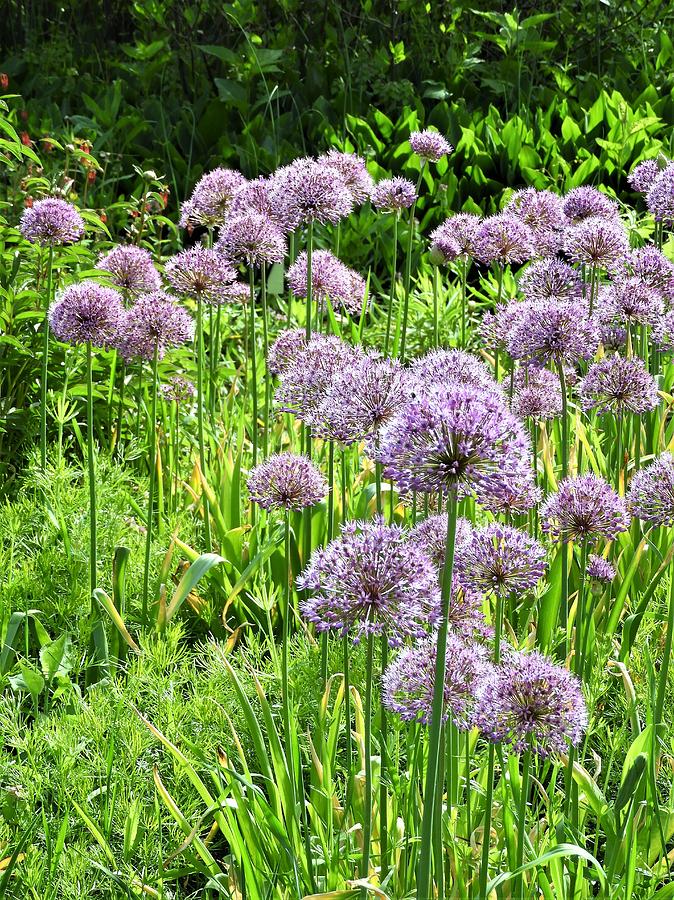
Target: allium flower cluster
660,197
353,172
370,581
497,327
600,569
629,301
330,278
131,269
651,493
211,198
516,497
543,212
538,394
430,145
87,313
201,272
253,239
408,683
617,385
553,331
584,507
502,560
455,238
588,202
663,332
643,175
531,702
154,321
286,481
652,267
597,241
504,238
178,390
393,195
551,279
285,350
430,536
310,191
51,221
444,367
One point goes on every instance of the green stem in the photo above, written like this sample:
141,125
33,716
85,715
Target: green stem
436,326
580,612
153,468
408,268
367,749
666,656
200,416
565,472
383,786
518,890
45,362
267,379
285,695
331,490
253,364
464,277
394,274
309,291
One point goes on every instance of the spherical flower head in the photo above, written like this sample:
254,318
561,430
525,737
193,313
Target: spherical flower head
543,212
496,327
211,198
459,438
370,581
516,497
330,279
430,145
202,273
651,493
587,202
154,321
663,332
551,279
131,269
630,301
618,385
311,191
538,394
285,350
444,367
501,560
643,175
408,682
253,239
652,267
584,507
353,172
430,536
286,481
549,331
50,222
531,702
178,390
600,569
504,239
256,197
660,197
85,313
455,238
393,194
612,336
597,241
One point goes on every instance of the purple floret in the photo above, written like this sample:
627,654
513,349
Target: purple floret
286,481
584,506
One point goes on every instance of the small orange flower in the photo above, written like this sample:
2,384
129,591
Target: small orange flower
4,80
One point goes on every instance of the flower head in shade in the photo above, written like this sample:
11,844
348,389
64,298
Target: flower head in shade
550,331
285,350
455,238
504,238
531,702
51,221
653,268
612,335
286,481
131,268
256,197
543,212
211,198
430,536
597,241
155,320
178,390
629,301
587,202
502,560
430,145
663,332
538,394
497,327
457,438
369,580
253,239
330,278
310,191
615,384
584,507
408,682
444,367
393,194
651,493
87,312
353,172
201,272
660,197
516,497
551,279
643,175
599,568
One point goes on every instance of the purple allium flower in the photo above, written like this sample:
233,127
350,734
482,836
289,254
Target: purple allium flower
286,481
430,536
51,221
663,332
445,367
455,237
651,493
612,336
660,197
502,560
407,684
516,497
550,279
629,301
353,172
256,197
497,327
598,242
285,350
155,320
587,202
253,239
369,580
201,272
330,278
531,702
599,568
393,195
643,175
543,212
652,267
87,313
617,385
177,390
585,506
550,331
211,198
455,438
538,394
131,268
504,238
430,145
310,191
